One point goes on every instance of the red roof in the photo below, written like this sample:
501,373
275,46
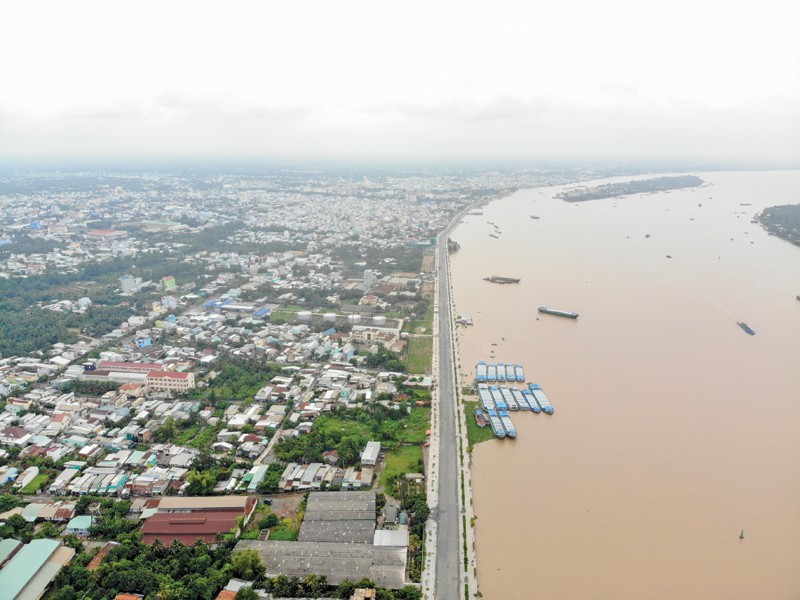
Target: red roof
167,375
187,527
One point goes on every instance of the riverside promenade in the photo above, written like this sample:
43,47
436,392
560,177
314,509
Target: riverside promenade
448,573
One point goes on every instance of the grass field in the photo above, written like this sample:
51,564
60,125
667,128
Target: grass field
412,429
406,459
329,424
420,351
34,485
475,434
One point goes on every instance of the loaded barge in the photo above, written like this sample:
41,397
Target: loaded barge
497,424
501,280
558,313
511,431
481,372
538,394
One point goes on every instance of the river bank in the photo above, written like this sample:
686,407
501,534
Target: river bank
673,430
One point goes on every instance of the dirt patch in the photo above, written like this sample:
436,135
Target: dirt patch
286,505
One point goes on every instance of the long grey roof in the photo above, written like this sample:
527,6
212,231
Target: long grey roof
385,565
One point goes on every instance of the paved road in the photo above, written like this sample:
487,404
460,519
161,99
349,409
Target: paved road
449,563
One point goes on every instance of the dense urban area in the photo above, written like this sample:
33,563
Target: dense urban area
219,386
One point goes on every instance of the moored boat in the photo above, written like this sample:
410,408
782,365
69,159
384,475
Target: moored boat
511,431
501,372
520,398
541,398
534,406
491,372
480,418
481,372
509,399
496,423
497,396
519,373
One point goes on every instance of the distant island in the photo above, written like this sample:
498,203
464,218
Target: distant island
626,188
782,221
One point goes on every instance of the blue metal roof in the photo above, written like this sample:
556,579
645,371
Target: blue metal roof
24,566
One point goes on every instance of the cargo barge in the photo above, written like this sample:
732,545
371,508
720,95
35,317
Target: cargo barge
519,373
481,372
558,313
540,397
511,431
520,399
497,424
532,403
501,372
745,327
487,402
508,396
498,398
501,280
491,372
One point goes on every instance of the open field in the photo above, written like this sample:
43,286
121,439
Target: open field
420,350
406,459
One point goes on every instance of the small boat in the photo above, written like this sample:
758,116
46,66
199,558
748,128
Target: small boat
558,313
745,327
501,280
480,418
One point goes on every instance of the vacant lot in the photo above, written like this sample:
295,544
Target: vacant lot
406,459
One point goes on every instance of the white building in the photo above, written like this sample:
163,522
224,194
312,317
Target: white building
369,456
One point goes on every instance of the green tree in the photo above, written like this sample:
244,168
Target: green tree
247,593
247,564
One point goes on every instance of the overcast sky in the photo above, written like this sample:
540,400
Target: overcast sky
412,80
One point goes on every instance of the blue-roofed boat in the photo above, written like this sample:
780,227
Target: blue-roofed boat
486,397
511,431
519,373
491,372
521,402
496,423
509,399
498,398
532,403
481,372
501,372
541,398
480,418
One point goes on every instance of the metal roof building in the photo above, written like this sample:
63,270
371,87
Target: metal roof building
30,571
385,565
336,540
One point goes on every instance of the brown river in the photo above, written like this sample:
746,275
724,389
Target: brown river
673,430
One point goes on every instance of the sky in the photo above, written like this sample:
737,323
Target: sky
439,80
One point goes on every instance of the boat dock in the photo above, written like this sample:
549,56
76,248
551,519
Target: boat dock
496,401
